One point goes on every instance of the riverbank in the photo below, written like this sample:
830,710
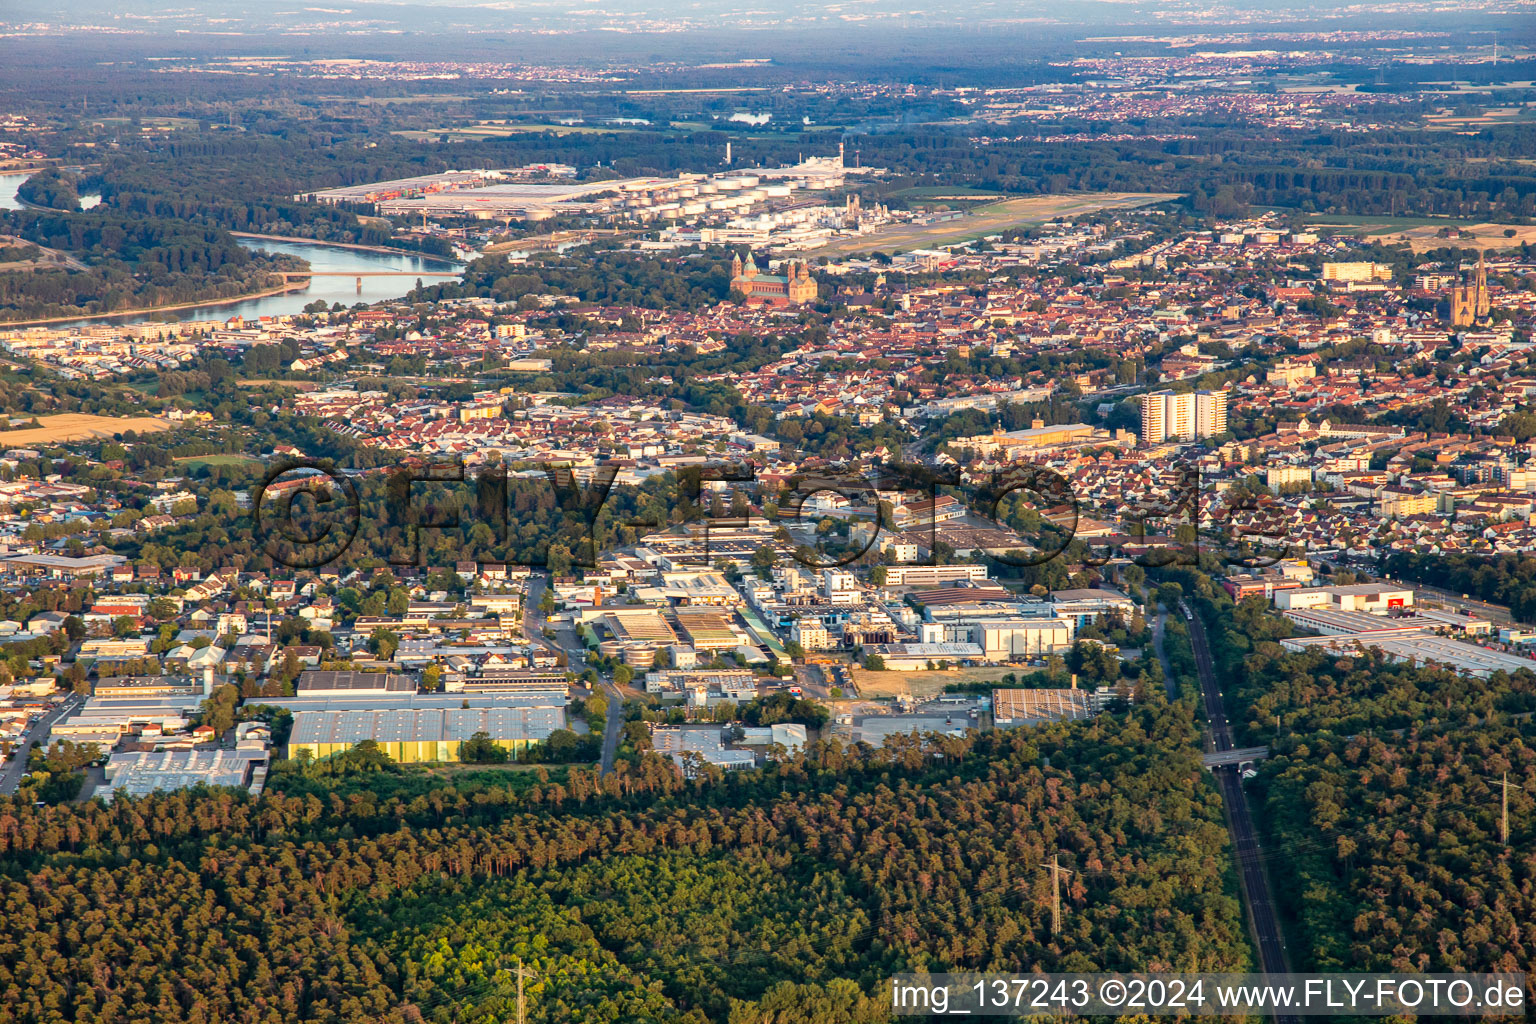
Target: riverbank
386,250
290,286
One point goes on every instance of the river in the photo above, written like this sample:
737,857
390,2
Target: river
321,257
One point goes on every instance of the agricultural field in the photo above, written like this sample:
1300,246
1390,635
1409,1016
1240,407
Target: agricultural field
1484,236
74,426
1423,233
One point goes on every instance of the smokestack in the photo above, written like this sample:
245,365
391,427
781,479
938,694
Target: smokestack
727,153
208,681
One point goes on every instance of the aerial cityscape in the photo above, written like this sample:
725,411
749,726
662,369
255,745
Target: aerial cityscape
699,514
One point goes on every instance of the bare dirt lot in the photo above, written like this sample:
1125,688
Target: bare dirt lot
927,684
73,426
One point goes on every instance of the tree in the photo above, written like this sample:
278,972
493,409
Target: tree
384,643
597,712
560,746
218,711
622,675
432,678
161,609
481,749
558,560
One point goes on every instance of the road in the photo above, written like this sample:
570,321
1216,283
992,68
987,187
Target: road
535,622
615,723
1262,918
567,640
533,619
16,767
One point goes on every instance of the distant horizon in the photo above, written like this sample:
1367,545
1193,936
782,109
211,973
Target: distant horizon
585,33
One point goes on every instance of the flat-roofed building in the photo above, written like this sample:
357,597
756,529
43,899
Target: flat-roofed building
1084,605
108,648
684,743
1331,622
917,657
147,686
106,719
1014,444
1264,585
1444,621
810,634
740,684
315,682
707,629
1376,598
641,625
933,575
529,681
137,773
64,566
945,717
1014,707
1021,638
1418,647
415,735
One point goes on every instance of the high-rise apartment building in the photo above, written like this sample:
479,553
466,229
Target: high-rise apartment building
1166,416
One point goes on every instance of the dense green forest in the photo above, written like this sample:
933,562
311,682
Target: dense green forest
1383,807
789,894
606,278
52,189
129,263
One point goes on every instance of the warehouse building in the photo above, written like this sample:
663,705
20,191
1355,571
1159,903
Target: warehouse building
709,630
705,742
1336,623
1419,648
411,736
316,682
1088,604
1017,639
1015,707
138,773
1374,598
917,657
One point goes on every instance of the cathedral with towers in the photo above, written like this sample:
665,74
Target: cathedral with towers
794,287
1469,303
